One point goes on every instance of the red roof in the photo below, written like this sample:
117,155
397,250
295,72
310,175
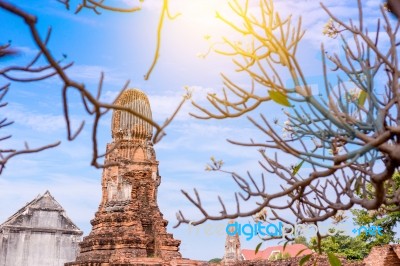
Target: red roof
293,250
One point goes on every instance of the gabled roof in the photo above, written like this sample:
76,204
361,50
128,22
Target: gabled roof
44,204
293,250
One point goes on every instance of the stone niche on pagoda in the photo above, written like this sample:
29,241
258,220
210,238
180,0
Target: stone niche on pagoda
128,228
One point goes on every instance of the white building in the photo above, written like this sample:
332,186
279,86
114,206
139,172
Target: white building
39,234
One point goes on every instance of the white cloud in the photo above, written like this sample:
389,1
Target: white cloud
27,51
37,121
209,139
59,10
164,105
92,73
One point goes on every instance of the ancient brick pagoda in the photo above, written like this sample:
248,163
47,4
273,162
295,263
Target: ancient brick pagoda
233,253
128,228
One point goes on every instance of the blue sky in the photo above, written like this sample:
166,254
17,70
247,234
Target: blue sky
122,46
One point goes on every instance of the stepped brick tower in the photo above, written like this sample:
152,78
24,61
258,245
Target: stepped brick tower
233,252
128,228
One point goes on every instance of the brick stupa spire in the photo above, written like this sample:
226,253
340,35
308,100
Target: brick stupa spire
128,228
233,252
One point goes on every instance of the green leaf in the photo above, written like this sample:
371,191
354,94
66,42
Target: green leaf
258,247
301,251
357,185
304,259
279,97
297,168
333,260
284,246
362,98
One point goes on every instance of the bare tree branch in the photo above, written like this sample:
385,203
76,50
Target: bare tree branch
91,102
348,136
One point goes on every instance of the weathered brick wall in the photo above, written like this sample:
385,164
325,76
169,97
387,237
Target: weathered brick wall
383,256
396,248
321,261
387,255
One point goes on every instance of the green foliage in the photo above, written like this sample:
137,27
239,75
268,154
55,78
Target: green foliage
304,259
376,218
333,260
258,247
362,98
352,248
301,240
215,260
387,221
278,256
281,256
286,256
356,248
297,168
